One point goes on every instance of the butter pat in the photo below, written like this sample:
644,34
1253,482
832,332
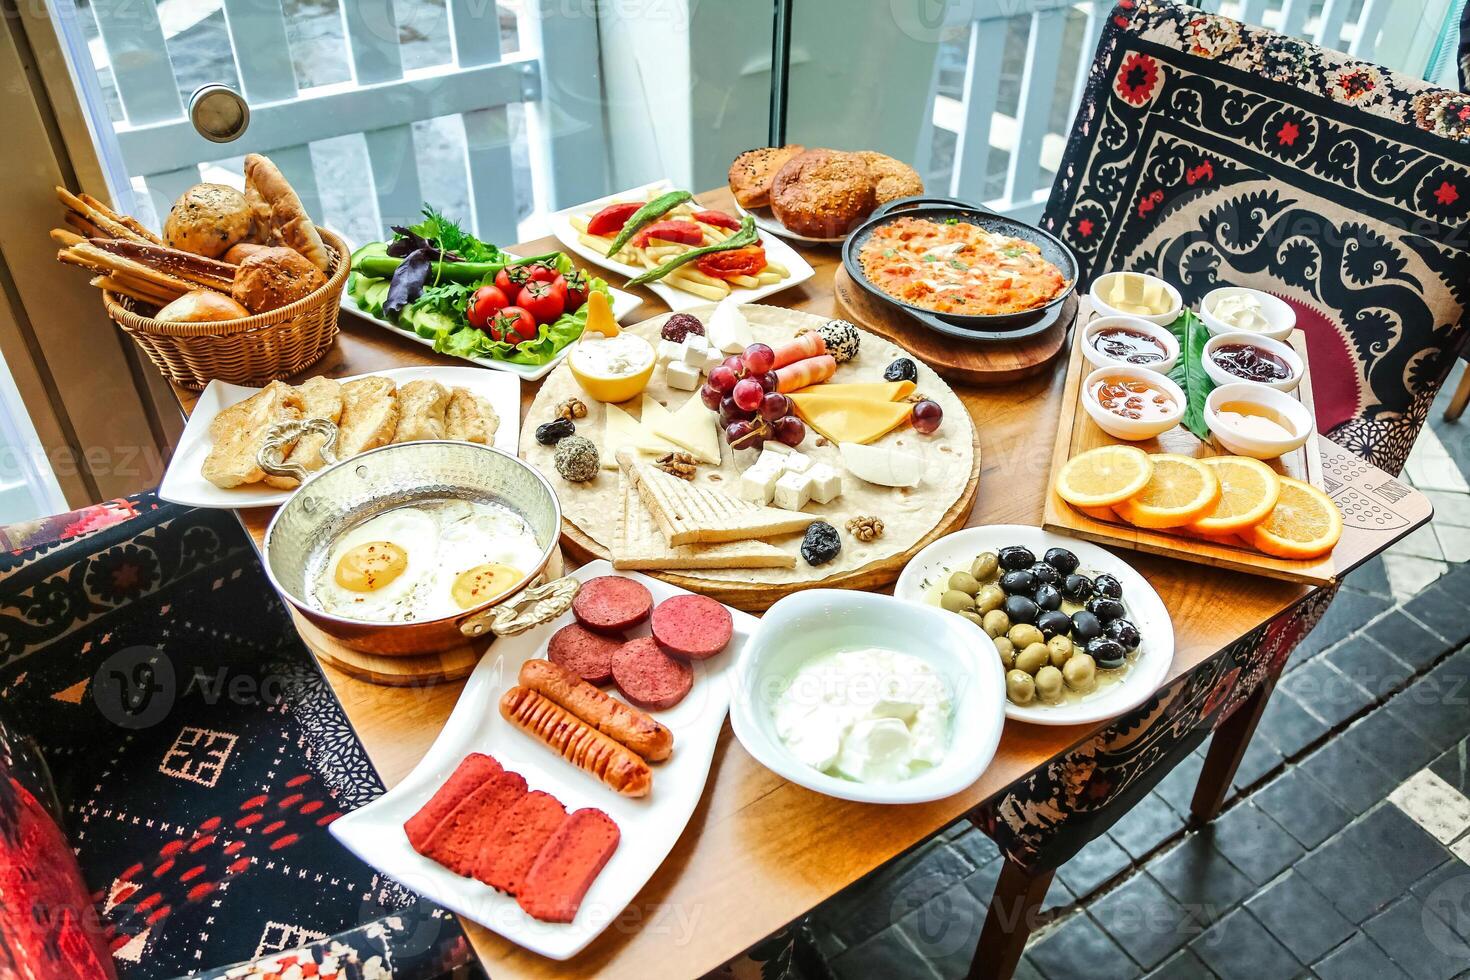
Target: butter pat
1241,311
1138,294
793,491
728,330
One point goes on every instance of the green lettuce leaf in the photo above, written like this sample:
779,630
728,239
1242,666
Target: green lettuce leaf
1189,372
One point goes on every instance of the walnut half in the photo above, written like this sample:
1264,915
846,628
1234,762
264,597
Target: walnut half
677,464
865,528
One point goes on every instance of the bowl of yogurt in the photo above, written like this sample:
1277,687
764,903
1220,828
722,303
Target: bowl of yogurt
612,368
869,698
1230,309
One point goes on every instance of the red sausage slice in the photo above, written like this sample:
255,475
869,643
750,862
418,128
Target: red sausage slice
692,626
648,677
510,849
455,843
473,771
566,867
611,604
583,652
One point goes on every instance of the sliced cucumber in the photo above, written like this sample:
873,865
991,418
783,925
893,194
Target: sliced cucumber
375,296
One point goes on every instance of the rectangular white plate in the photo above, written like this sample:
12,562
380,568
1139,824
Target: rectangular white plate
776,251
649,826
184,484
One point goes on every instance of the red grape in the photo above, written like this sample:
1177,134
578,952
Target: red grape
722,378
768,381
759,358
927,416
738,430
774,405
730,412
790,430
711,396
747,394
736,364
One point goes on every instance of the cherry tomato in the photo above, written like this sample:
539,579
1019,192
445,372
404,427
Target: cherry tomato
540,272
510,279
748,261
577,286
717,218
542,300
610,220
487,301
681,232
513,325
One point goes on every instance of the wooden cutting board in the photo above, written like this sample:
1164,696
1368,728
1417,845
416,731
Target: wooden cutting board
1077,433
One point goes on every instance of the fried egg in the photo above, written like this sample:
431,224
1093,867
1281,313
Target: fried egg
481,555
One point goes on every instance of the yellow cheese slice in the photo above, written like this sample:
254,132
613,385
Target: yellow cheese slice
692,428
845,419
883,391
623,431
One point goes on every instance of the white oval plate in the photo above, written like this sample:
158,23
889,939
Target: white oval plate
1145,609
649,826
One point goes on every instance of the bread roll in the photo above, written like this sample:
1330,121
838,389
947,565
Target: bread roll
207,219
278,210
200,306
238,252
274,277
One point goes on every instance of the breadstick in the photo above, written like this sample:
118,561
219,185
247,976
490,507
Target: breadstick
81,224
65,238
110,228
131,291
197,269
622,722
122,219
578,742
91,257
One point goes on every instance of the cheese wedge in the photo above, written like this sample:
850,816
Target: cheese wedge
883,465
690,514
639,544
842,418
692,428
623,431
882,391
728,329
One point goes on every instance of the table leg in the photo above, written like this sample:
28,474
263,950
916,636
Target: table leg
1013,908
1226,749
1460,397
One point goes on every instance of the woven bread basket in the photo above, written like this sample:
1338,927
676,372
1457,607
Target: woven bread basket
254,350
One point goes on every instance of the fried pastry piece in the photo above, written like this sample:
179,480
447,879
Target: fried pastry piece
369,415
822,193
421,406
753,172
321,399
239,431
469,418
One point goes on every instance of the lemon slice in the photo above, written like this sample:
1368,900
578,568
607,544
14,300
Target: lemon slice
1104,476
1181,491
1304,524
1248,490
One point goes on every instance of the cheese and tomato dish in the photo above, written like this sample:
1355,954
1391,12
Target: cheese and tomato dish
959,268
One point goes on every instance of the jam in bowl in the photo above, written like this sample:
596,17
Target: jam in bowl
1230,358
1131,341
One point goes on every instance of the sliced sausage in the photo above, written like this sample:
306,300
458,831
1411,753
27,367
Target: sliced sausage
467,777
607,714
455,843
517,837
576,741
583,652
648,677
566,867
692,626
611,604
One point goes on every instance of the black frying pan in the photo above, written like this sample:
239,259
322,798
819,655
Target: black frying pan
1003,326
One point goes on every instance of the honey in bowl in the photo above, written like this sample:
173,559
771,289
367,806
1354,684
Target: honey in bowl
1130,398
1256,421
1128,346
1251,363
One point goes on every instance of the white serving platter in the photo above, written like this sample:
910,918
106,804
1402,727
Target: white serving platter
1145,609
183,483
649,826
765,220
677,299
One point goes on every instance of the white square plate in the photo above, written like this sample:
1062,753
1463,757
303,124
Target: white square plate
776,251
183,483
649,825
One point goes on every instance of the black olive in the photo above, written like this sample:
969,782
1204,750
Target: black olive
1124,632
1108,653
1047,597
1105,608
1085,627
1015,557
1077,587
555,431
1045,573
1019,609
1062,560
1054,622
902,369
821,543
1019,582
1108,585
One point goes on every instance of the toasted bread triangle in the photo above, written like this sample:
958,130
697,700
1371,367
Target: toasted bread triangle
638,543
690,514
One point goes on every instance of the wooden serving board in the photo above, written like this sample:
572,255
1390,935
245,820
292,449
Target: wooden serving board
1077,433
987,363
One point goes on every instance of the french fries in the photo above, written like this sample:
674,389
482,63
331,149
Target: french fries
686,277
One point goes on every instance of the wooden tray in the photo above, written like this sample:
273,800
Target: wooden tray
1077,433
988,363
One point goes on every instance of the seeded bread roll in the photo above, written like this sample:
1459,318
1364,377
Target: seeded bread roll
207,219
273,278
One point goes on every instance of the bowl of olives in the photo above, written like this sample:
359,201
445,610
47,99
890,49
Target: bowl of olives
1081,636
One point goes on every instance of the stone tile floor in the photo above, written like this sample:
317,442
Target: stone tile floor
1342,854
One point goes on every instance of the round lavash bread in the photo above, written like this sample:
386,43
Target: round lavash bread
908,513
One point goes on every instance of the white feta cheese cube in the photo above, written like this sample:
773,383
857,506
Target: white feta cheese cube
796,462
793,491
826,483
691,355
712,359
669,351
758,483
696,341
682,376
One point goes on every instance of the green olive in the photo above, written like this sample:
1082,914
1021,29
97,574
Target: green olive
973,617
1049,683
1007,651
996,623
1061,650
1080,672
957,601
990,597
1024,634
1020,687
964,582
985,566
1031,658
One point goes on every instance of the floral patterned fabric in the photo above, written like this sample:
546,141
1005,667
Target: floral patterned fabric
1212,153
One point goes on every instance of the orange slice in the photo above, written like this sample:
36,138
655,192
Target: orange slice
1104,476
1304,524
1181,491
1248,491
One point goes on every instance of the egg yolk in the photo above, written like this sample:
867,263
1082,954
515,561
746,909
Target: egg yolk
474,585
370,566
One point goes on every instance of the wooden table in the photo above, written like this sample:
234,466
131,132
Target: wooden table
760,852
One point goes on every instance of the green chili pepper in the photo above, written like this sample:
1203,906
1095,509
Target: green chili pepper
656,208
745,236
